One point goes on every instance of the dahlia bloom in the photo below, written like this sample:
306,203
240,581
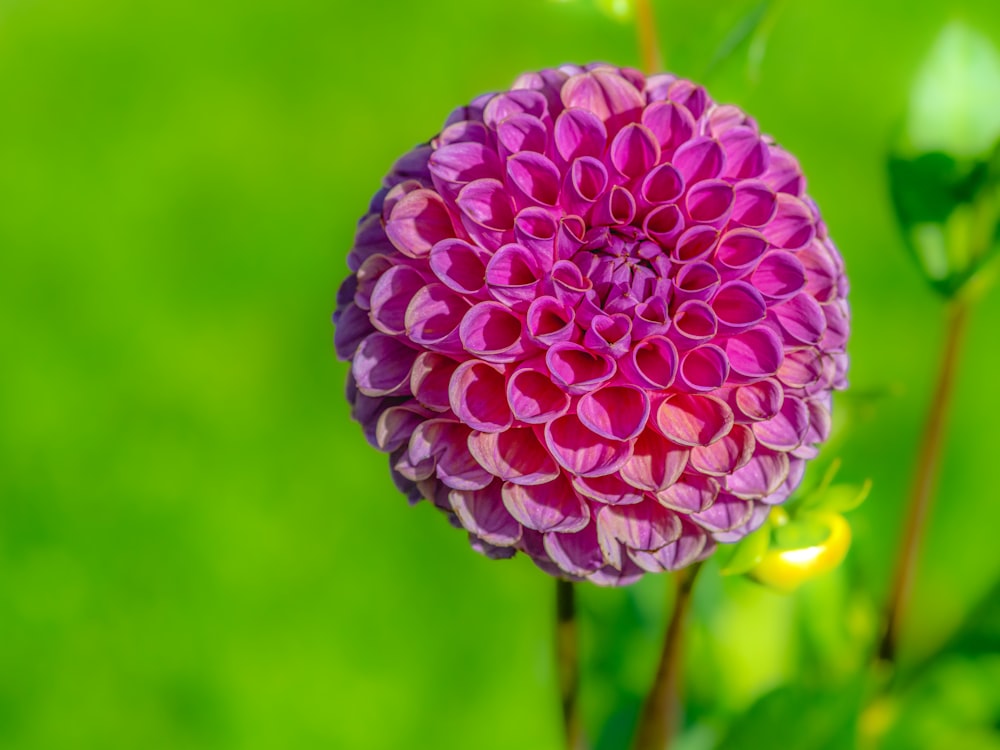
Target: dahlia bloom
597,319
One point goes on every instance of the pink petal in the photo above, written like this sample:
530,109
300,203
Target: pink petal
522,132
586,181
793,224
553,506
433,317
516,456
504,105
675,556
458,164
651,318
608,489
762,475
616,412
492,332
694,321
634,151
725,455
483,513
652,363
704,368
664,224
693,419
535,176
382,365
430,378
755,353
615,208
478,396
606,94
759,401
692,493
513,275
486,204
670,123
647,526
353,326
578,554
663,184
695,243
787,429
802,318
738,306
699,159
417,222
391,296
396,424
754,203
746,154
609,334
779,275
655,463
727,512
532,395
459,266
738,250
582,452
577,369
710,202
579,132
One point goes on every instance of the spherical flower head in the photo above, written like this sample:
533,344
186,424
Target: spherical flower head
597,319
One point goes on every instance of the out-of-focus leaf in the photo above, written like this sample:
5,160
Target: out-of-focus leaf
954,106
947,209
740,33
954,705
839,498
620,10
798,717
943,174
742,556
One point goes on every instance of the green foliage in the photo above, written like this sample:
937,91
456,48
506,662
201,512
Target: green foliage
945,173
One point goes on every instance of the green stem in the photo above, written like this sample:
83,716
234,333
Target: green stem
568,665
661,713
925,476
645,27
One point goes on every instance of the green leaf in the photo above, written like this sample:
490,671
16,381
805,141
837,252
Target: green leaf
840,498
746,553
944,206
798,717
801,532
954,106
619,10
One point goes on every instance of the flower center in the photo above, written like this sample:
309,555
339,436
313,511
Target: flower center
625,268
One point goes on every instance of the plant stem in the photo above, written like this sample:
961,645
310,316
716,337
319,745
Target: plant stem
925,476
568,665
661,713
645,27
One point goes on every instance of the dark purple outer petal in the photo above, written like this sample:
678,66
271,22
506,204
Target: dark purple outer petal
597,320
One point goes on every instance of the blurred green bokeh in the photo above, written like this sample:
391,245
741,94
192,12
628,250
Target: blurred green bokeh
197,547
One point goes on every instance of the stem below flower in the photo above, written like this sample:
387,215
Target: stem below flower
661,712
645,27
924,480
568,665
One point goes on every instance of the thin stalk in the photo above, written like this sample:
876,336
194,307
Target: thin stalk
924,483
661,713
645,27
568,665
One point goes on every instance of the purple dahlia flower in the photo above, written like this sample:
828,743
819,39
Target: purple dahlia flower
597,319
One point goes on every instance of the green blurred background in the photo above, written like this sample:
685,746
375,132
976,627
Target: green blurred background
197,547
